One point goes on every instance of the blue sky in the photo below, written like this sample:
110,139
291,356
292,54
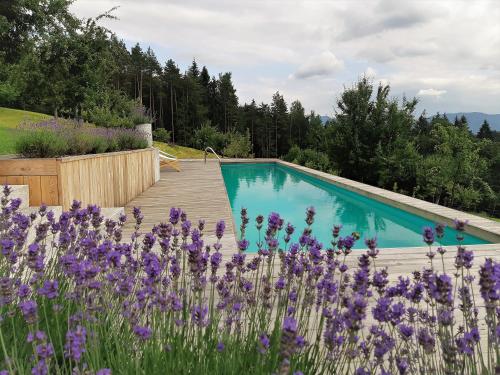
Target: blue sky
446,53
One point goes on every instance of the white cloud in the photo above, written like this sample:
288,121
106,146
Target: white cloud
430,92
418,47
324,64
370,72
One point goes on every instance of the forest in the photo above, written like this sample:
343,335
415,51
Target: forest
53,62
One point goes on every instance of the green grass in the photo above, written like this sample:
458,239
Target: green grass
9,120
181,152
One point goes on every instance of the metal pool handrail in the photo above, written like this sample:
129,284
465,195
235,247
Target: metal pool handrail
212,151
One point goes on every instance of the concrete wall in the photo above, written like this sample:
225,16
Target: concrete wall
148,131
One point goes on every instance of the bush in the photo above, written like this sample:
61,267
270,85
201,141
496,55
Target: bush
161,135
209,136
77,299
55,138
115,111
105,118
238,145
41,143
309,158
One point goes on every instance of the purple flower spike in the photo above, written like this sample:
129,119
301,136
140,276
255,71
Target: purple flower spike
428,235
439,229
75,343
29,310
310,212
243,244
175,214
264,343
49,289
220,346
220,228
144,333
460,224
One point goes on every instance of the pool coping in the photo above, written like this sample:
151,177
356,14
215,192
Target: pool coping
486,229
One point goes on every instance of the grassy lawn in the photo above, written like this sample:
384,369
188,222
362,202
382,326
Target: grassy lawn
9,120
181,152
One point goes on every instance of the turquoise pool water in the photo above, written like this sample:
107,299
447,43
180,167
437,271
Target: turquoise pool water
264,188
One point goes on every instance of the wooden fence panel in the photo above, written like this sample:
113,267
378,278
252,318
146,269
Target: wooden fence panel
108,180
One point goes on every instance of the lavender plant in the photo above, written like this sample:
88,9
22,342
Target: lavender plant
75,297
59,137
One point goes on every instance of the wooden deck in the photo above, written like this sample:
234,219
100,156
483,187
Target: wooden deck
198,189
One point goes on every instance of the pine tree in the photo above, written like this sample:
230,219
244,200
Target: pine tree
485,131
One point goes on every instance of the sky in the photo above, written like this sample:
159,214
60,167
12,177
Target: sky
445,53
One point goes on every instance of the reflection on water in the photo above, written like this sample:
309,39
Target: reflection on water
264,188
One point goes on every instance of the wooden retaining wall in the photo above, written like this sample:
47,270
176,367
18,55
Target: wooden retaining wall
108,180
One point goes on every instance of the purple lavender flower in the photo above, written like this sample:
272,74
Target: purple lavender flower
428,235
103,371
336,230
310,212
406,331
273,221
40,368
426,340
402,365
175,214
143,333
219,229
220,346
460,224
439,229
49,289
381,311
44,351
362,371
264,343
75,343
243,244
29,310
440,288
489,281
199,315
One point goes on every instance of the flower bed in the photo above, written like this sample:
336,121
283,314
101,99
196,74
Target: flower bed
59,137
79,298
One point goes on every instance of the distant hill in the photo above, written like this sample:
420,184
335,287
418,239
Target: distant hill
324,119
475,119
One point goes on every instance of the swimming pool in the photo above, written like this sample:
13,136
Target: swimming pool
266,187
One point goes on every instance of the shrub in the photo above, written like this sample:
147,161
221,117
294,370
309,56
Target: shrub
209,136
41,143
55,138
101,116
117,112
309,158
161,135
238,145
76,298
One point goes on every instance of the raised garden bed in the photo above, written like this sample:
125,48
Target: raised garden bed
108,179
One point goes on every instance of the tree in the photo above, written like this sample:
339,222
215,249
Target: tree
485,131
298,124
228,102
280,140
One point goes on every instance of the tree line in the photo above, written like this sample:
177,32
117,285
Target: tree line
54,62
